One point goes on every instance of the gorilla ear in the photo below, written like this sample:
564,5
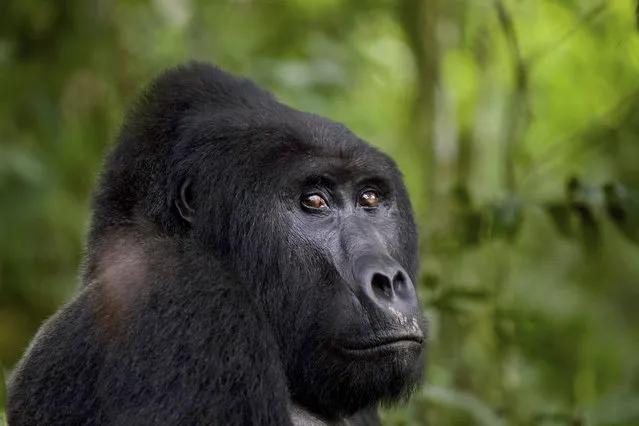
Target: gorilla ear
184,202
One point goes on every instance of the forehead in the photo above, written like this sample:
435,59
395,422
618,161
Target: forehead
334,154
292,144
337,168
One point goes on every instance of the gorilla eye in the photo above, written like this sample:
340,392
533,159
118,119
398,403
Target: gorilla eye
314,201
369,199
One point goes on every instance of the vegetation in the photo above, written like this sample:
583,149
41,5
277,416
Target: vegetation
2,398
516,125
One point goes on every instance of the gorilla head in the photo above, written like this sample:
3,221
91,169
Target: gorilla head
312,222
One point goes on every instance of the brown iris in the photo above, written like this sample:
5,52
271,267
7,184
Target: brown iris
314,201
369,199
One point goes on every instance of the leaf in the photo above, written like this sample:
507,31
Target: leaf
462,293
20,165
590,230
507,218
470,221
559,213
578,190
450,300
3,397
467,402
582,198
430,281
615,409
622,208
472,225
462,196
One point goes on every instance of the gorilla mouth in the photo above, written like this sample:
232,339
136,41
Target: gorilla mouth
381,346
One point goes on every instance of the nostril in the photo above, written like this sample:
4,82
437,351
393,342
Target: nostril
399,281
382,285
402,285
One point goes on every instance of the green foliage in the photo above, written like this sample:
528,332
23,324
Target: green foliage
515,124
3,395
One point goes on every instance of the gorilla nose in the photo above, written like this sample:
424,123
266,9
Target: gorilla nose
385,283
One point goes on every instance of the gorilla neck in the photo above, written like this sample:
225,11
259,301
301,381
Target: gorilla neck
302,417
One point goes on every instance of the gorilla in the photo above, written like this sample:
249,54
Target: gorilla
246,264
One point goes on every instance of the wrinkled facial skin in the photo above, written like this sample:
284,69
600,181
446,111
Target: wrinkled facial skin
367,341
336,231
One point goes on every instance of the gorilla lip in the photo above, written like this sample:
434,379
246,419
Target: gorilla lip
390,343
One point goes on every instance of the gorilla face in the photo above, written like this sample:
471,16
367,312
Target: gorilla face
365,336
323,232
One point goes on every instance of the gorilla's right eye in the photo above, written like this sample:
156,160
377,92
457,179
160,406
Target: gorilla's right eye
314,201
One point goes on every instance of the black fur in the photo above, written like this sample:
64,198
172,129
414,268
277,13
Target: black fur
210,294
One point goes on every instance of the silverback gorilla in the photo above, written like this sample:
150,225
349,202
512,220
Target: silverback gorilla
247,264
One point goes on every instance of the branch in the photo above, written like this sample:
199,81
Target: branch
508,28
551,153
583,19
419,22
518,102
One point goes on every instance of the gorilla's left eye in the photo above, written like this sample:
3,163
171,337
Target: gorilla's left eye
369,199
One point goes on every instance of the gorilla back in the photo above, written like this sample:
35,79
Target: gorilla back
247,264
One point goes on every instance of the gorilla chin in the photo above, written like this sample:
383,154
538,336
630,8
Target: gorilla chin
387,373
362,377
247,264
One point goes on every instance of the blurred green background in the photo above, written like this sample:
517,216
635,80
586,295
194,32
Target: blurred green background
515,122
